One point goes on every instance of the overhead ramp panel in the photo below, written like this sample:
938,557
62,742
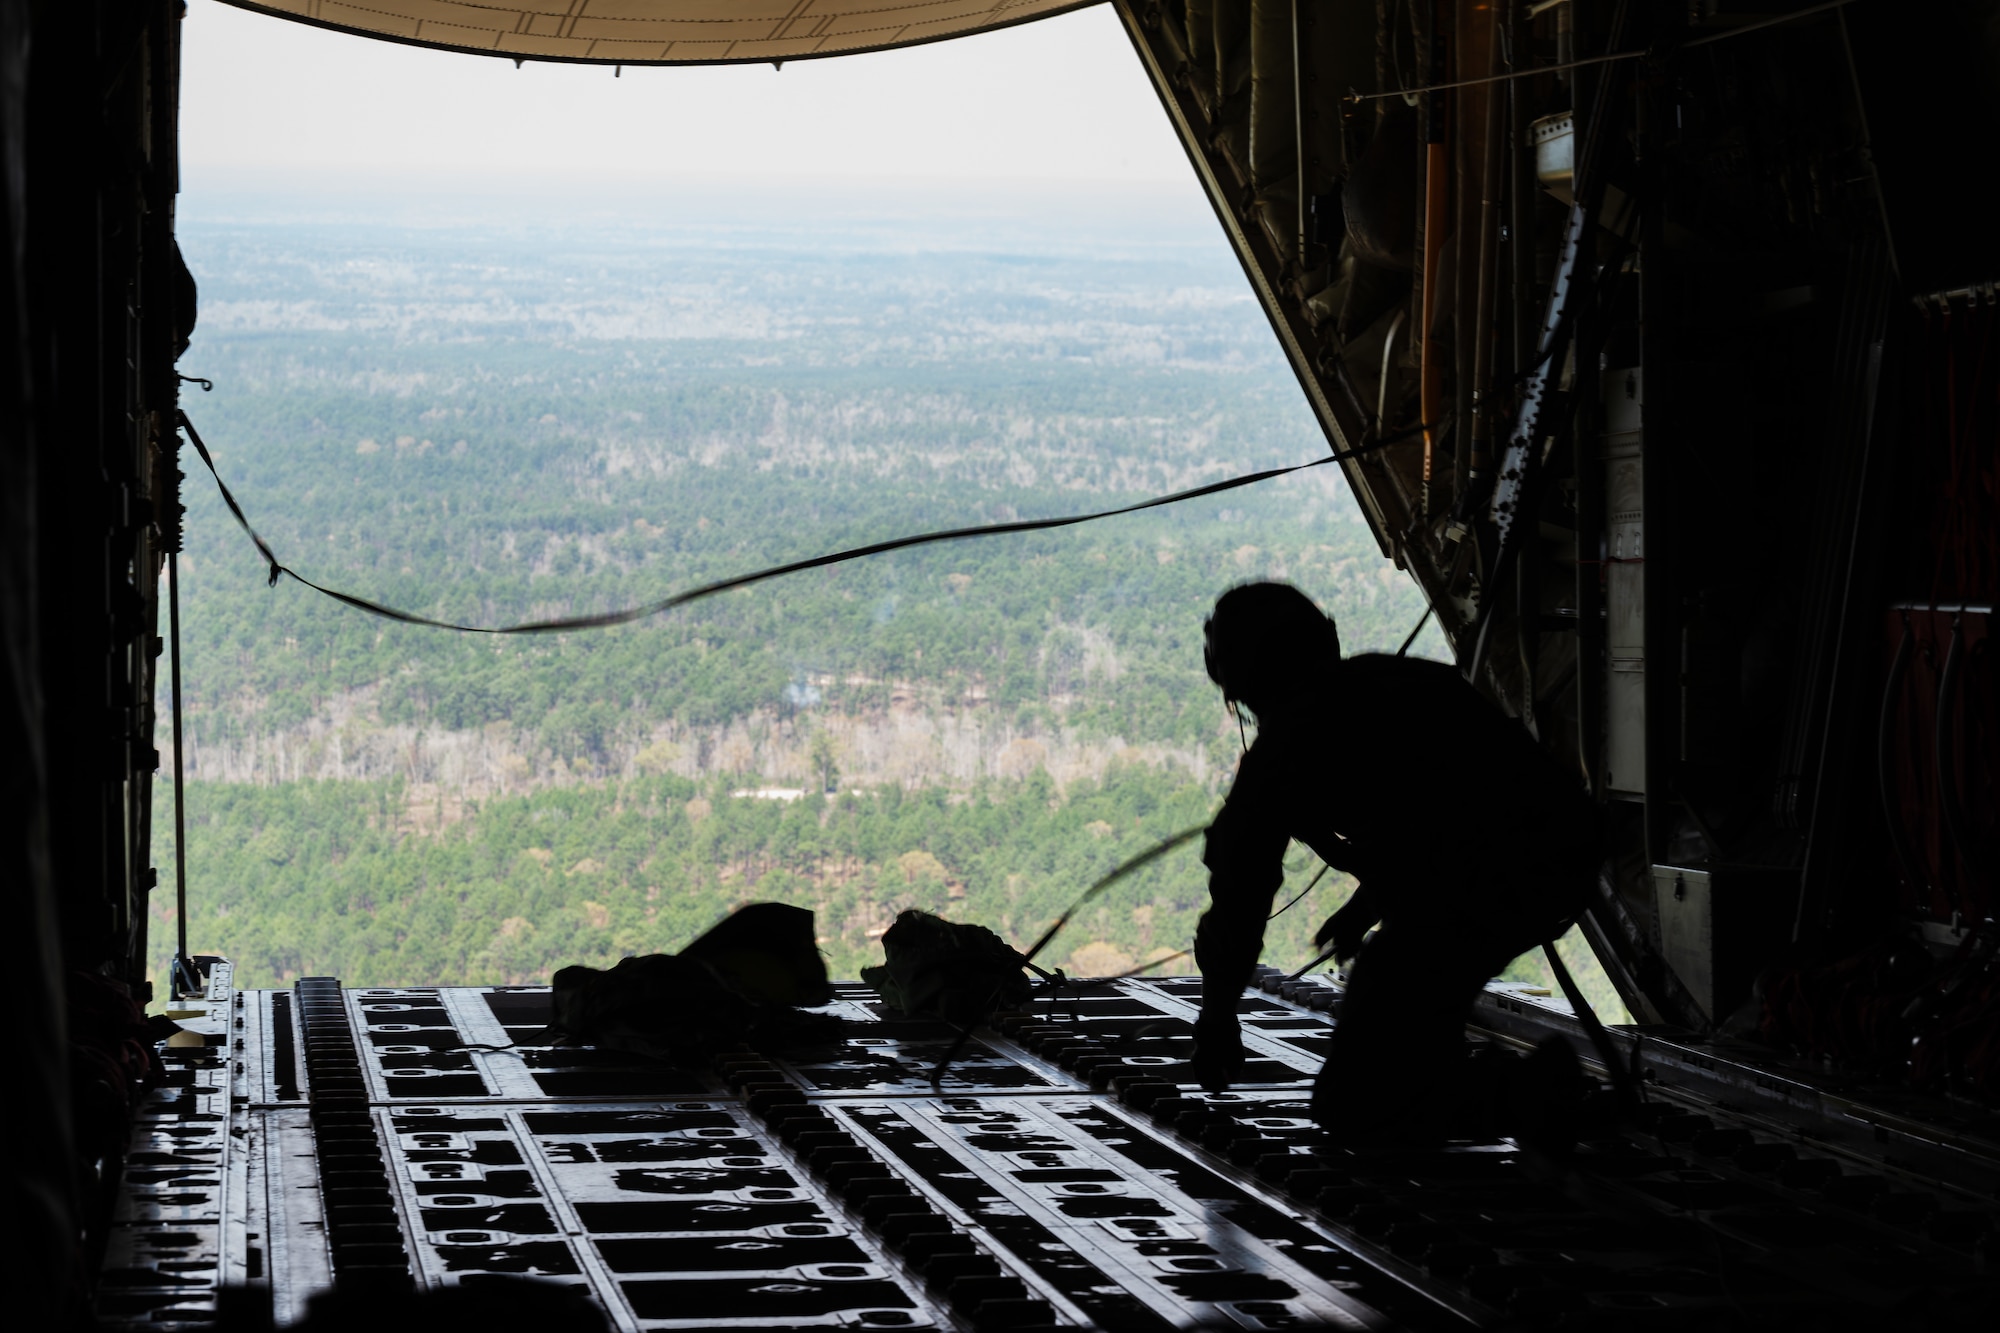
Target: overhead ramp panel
662,32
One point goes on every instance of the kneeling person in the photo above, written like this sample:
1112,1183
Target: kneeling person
1470,847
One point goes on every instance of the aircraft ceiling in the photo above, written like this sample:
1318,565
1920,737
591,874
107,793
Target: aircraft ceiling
671,32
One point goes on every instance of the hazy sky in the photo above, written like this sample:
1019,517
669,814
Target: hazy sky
1059,100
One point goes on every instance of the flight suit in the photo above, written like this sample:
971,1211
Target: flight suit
1470,845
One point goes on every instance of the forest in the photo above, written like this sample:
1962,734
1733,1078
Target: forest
491,425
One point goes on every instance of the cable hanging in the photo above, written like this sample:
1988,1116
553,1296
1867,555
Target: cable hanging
277,569
1311,884
1606,58
1110,877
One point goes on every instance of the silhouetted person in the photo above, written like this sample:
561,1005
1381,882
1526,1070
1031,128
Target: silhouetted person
1469,844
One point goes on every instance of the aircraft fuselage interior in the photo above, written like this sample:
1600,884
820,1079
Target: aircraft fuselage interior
1658,342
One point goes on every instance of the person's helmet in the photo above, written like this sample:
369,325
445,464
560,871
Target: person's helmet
1265,637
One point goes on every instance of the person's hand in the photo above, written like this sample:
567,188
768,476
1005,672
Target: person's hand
1218,1051
1343,932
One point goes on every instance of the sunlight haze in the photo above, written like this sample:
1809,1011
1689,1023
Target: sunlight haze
1060,100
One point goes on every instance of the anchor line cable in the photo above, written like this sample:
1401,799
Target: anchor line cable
277,569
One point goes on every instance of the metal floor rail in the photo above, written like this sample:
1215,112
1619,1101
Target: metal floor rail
1065,1177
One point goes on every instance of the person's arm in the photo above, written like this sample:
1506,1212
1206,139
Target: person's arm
1343,855
1245,858
1343,930
1230,936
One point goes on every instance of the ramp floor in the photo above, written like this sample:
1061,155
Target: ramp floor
1063,1175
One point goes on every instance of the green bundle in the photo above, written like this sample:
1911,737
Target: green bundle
935,968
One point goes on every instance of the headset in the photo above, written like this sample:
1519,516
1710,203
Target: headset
1215,674
1290,619
1208,661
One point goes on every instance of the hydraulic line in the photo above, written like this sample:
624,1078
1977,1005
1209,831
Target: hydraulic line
1480,382
183,965
1956,821
1388,356
1466,194
1437,193
1520,199
1899,838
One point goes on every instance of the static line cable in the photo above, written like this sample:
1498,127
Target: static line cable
1116,873
1075,983
1607,58
278,569
1299,897
1147,967
1327,957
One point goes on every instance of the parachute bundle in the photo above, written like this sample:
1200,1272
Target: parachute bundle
951,970
738,985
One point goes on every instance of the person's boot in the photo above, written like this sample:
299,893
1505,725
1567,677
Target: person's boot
1548,1099
1481,1109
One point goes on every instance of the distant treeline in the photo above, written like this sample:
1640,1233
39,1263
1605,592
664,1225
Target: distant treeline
357,880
